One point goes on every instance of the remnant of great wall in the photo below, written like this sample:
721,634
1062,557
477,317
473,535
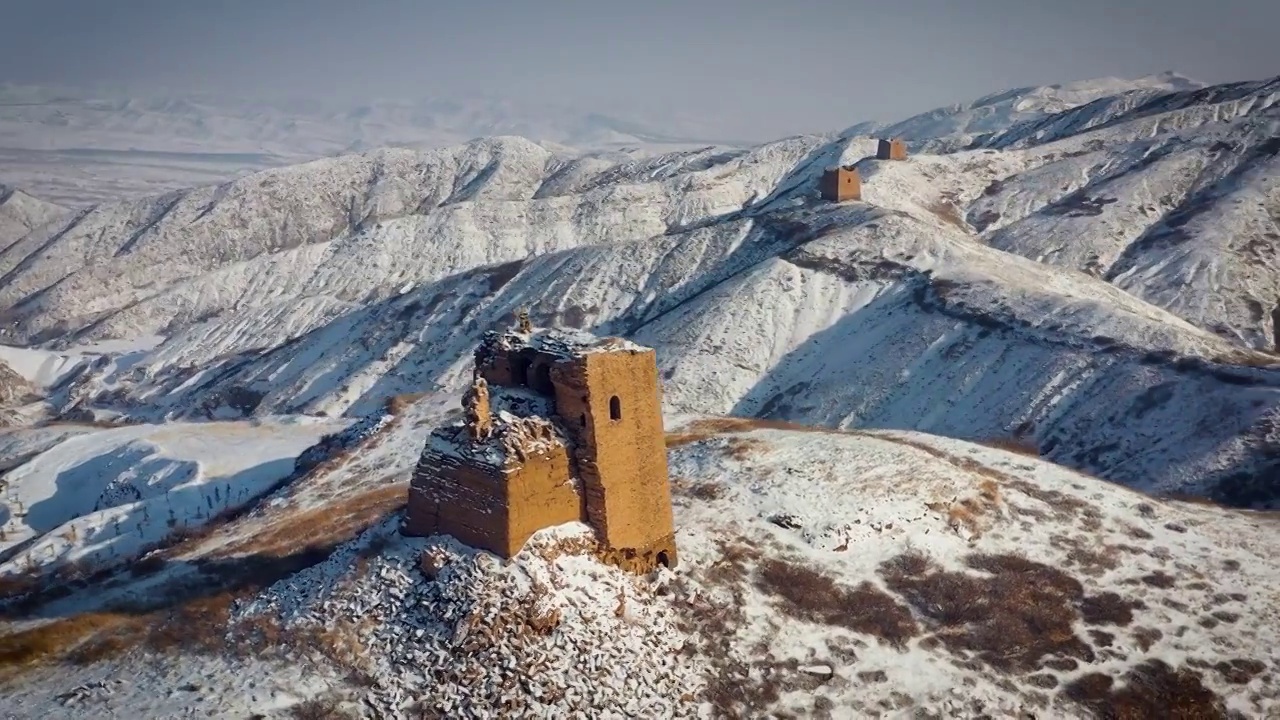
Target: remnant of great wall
843,182
560,426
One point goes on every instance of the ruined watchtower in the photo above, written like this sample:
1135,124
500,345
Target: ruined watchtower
841,183
892,149
562,426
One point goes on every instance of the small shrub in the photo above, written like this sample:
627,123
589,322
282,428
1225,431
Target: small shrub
149,565
319,708
809,595
1151,690
397,404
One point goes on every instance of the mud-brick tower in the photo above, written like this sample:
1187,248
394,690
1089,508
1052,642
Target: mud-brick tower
839,184
610,399
891,149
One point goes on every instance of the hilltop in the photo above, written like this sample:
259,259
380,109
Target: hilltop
822,573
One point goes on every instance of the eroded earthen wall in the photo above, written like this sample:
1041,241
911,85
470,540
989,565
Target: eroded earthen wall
540,494
519,368
450,497
491,508
613,403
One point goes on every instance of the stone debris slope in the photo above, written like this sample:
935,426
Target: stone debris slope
439,628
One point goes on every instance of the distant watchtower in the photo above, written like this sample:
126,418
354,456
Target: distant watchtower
894,149
841,183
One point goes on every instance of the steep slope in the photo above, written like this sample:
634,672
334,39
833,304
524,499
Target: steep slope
847,317
14,391
1175,200
100,498
20,214
822,574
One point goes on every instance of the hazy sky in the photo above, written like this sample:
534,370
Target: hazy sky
752,69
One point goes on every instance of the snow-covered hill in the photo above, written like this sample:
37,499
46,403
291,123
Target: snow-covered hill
329,286
103,497
959,124
80,147
20,214
822,575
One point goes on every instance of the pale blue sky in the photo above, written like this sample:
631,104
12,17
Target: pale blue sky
753,70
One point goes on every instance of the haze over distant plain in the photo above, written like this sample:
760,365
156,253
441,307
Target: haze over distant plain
749,70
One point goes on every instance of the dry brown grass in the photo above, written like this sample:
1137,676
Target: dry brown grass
808,595
1151,689
324,526
1014,616
14,585
196,624
1020,446
194,619
741,448
707,428
1249,358
704,490
397,404
56,639
972,513
949,213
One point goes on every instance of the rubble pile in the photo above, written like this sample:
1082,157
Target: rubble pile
508,440
457,632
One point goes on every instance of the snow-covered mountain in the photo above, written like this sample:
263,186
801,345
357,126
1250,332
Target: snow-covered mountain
20,214
1084,273
78,147
37,118
959,124
328,286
